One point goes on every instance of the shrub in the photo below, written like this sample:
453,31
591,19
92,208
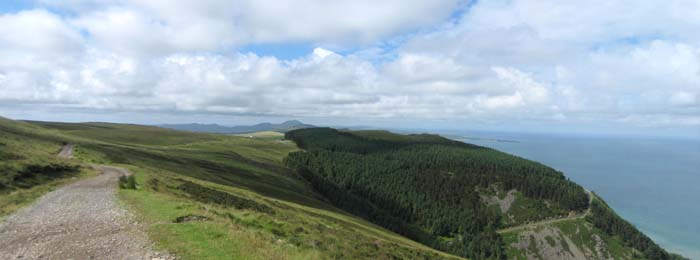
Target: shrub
154,184
208,195
127,182
190,218
34,174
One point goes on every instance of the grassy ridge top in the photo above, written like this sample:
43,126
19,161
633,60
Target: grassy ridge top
202,194
128,134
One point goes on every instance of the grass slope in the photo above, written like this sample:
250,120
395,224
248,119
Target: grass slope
29,167
208,196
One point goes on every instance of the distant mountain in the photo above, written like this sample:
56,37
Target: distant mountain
208,128
215,128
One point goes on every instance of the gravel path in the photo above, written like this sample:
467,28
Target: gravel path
82,220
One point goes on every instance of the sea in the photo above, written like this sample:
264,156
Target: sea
653,182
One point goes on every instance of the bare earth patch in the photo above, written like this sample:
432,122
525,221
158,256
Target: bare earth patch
66,151
549,243
504,204
82,220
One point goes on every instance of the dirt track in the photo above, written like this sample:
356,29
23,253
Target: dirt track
550,221
82,220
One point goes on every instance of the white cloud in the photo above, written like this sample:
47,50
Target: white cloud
684,99
525,90
163,27
605,60
501,60
31,39
322,53
339,21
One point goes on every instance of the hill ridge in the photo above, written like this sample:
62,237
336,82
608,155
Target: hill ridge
240,129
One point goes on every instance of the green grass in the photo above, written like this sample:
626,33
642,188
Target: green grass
222,162
300,224
217,238
129,134
16,199
270,135
526,210
29,167
513,253
232,171
293,231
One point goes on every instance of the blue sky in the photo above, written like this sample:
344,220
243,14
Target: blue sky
624,67
10,6
282,51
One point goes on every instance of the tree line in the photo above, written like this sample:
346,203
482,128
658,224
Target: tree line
605,219
425,187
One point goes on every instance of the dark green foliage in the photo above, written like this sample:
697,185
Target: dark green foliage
122,182
207,195
12,177
131,182
127,182
154,184
190,218
363,208
424,186
605,219
334,140
8,156
486,245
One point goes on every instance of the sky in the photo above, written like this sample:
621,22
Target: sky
624,67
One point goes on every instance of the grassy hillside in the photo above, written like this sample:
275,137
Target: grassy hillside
455,196
207,196
327,195
28,165
264,135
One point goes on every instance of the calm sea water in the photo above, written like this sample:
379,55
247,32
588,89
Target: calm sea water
652,182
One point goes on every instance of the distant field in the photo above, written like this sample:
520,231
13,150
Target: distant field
263,135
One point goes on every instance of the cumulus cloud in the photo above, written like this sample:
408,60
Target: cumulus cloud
155,27
630,62
526,90
36,38
607,59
